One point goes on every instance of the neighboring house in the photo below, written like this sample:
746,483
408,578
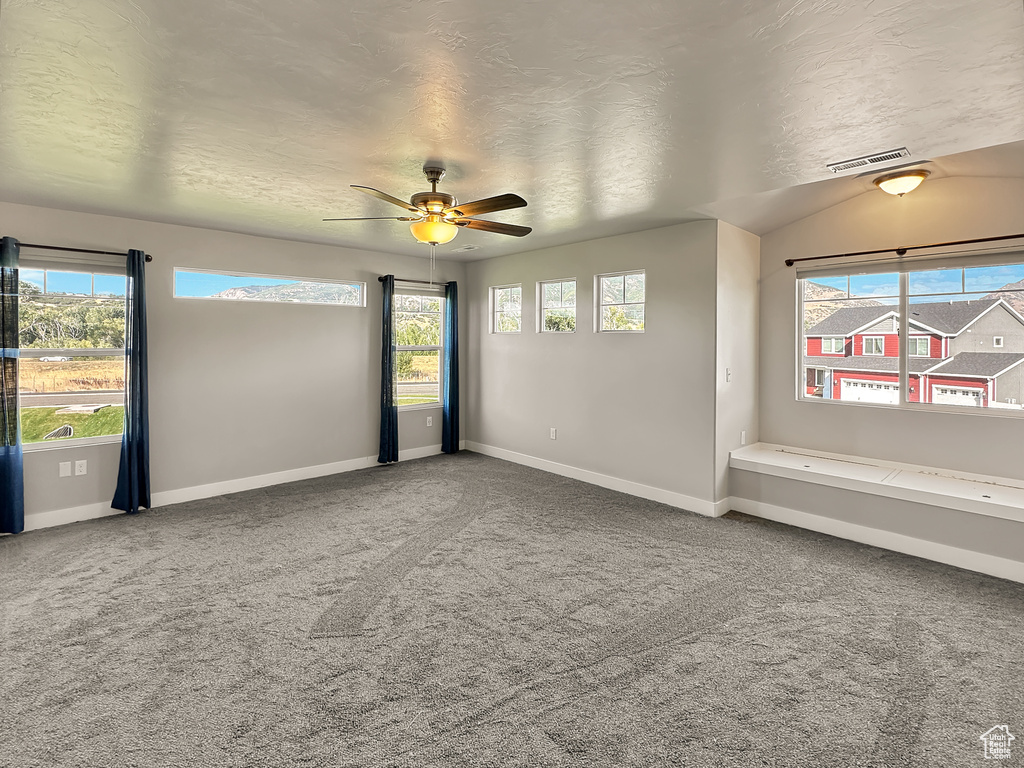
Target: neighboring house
960,353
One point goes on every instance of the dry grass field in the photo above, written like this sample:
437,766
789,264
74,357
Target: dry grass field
82,375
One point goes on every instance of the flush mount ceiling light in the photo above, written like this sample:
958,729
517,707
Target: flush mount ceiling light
901,182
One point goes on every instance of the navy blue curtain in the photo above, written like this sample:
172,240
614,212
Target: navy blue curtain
133,476
12,478
388,398
450,396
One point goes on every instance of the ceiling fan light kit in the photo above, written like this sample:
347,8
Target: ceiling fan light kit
437,216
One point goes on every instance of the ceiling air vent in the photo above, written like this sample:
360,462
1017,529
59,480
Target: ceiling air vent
860,162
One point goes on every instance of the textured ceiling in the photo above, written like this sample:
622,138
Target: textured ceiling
255,115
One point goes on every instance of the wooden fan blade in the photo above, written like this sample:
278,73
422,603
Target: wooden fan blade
387,198
493,226
380,218
488,205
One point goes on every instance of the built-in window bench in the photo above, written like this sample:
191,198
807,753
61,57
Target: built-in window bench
924,511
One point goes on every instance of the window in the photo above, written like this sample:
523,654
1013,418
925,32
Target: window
621,301
964,331
71,330
238,286
874,345
833,345
418,336
507,309
558,306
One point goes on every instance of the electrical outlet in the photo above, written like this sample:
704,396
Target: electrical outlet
430,421
743,437
554,433
728,374
81,467
64,468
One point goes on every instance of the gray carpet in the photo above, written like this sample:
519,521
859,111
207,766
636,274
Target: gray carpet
466,611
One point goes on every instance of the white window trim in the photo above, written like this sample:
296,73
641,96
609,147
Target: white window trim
997,342
927,347
492,309
598,305
864,346
439,348
541,309
70,263
232,273
982,258
71,442
832,343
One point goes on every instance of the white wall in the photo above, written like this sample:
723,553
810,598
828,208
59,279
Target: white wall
637,407
237,390
736,347
939,210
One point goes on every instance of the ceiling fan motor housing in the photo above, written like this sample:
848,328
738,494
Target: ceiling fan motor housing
434,202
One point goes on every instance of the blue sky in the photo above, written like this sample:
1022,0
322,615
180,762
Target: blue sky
80,283
192,284
972,279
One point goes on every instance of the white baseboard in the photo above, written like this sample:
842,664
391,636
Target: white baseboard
896,542
682,501
38,520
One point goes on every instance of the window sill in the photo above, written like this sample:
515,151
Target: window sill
978,494
73,442
420,407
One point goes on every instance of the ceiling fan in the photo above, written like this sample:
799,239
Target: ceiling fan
436,216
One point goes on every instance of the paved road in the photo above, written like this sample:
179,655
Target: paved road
72,398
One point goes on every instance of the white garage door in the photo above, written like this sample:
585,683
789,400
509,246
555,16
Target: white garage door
869,391
956,395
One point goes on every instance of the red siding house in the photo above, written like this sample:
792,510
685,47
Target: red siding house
959,353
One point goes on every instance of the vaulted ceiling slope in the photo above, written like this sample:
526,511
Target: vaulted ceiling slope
608,118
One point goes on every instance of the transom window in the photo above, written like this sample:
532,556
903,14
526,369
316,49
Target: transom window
507,308
239,286
71,323
558,306
418,345
621,301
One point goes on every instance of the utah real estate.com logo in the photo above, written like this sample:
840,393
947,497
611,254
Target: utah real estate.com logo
997,742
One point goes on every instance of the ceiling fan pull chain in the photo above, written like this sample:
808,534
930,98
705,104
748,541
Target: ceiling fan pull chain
432,246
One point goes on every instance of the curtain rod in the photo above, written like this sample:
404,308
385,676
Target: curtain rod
903,250
78,250
403,280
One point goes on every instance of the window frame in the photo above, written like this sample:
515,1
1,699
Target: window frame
439,347
917,341
997,342
492,305
832,343
542,309
864,345
86,266
599,304
903,268
263,276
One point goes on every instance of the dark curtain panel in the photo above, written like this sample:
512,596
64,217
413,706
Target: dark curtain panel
12,479
133,476
450,397
388,395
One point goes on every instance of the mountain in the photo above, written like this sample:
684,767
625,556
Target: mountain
326,293
1015,300
820,301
